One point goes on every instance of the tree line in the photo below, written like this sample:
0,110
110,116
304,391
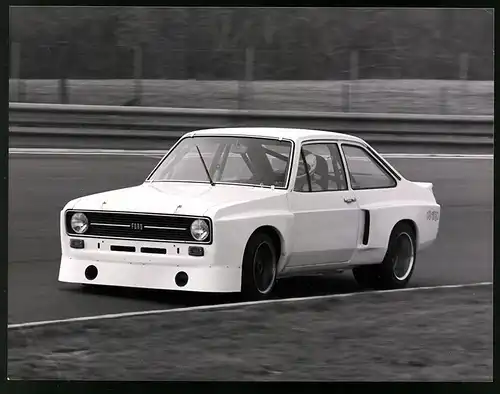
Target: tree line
284,43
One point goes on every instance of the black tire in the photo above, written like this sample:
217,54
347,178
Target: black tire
260,247
384,276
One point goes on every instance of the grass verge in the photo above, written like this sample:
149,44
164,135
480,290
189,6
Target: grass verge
382,96
430,335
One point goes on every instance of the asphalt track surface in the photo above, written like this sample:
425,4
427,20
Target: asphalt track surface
39,186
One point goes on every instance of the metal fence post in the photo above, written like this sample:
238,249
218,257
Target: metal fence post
464,65
63,72
138,74
353,76
249,63
346,97
443,101
464,70
244,91
354,65
15,63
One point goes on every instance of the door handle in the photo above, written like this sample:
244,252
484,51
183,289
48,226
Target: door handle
349,200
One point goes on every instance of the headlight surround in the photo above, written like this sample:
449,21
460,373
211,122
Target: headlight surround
79,223
200,230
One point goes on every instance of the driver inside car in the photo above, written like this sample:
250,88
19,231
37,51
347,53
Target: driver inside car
318,173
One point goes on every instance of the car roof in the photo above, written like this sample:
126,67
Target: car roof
296,135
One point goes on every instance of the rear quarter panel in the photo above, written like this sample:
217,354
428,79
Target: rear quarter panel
387,207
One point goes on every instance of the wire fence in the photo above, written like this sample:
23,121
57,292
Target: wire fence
98,62
246,68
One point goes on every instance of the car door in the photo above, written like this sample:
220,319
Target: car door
326,215
373,184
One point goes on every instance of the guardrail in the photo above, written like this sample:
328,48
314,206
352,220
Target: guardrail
170,123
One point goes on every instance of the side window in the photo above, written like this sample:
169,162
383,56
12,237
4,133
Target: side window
364,171
325,169
279,160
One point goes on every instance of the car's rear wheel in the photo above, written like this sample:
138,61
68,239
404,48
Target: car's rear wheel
259,267
397,267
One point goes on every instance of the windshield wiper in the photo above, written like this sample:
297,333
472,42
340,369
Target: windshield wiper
205,166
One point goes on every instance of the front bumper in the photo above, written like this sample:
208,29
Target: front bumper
147,270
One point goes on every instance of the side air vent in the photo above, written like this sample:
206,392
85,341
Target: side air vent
366,230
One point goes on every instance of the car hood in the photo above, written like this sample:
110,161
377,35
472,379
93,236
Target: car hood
172,198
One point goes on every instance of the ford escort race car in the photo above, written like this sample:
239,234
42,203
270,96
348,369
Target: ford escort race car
234,210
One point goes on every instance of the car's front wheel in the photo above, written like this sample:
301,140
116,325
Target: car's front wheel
397,267
259,267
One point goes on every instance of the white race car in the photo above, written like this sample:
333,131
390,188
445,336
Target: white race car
233,210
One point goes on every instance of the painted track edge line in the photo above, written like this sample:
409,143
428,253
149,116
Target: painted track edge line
235,305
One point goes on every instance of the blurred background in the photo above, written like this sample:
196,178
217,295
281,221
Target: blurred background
319,59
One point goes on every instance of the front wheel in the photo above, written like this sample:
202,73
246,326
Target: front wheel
259,267
397,267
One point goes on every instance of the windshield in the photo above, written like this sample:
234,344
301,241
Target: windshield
239,160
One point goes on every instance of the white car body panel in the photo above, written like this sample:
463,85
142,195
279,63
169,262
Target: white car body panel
333,244
171,198
387,207
316,231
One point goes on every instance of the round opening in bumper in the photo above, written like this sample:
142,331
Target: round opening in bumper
181,279
91,272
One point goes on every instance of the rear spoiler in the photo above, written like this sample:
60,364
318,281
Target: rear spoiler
425,185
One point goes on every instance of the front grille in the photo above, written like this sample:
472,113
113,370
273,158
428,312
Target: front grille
138,226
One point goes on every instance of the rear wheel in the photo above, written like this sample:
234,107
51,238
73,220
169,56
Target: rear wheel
259,267
397,267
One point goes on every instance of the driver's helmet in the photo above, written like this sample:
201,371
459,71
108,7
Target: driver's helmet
311,165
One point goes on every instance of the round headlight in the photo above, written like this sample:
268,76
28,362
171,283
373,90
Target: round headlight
79,223
199,230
